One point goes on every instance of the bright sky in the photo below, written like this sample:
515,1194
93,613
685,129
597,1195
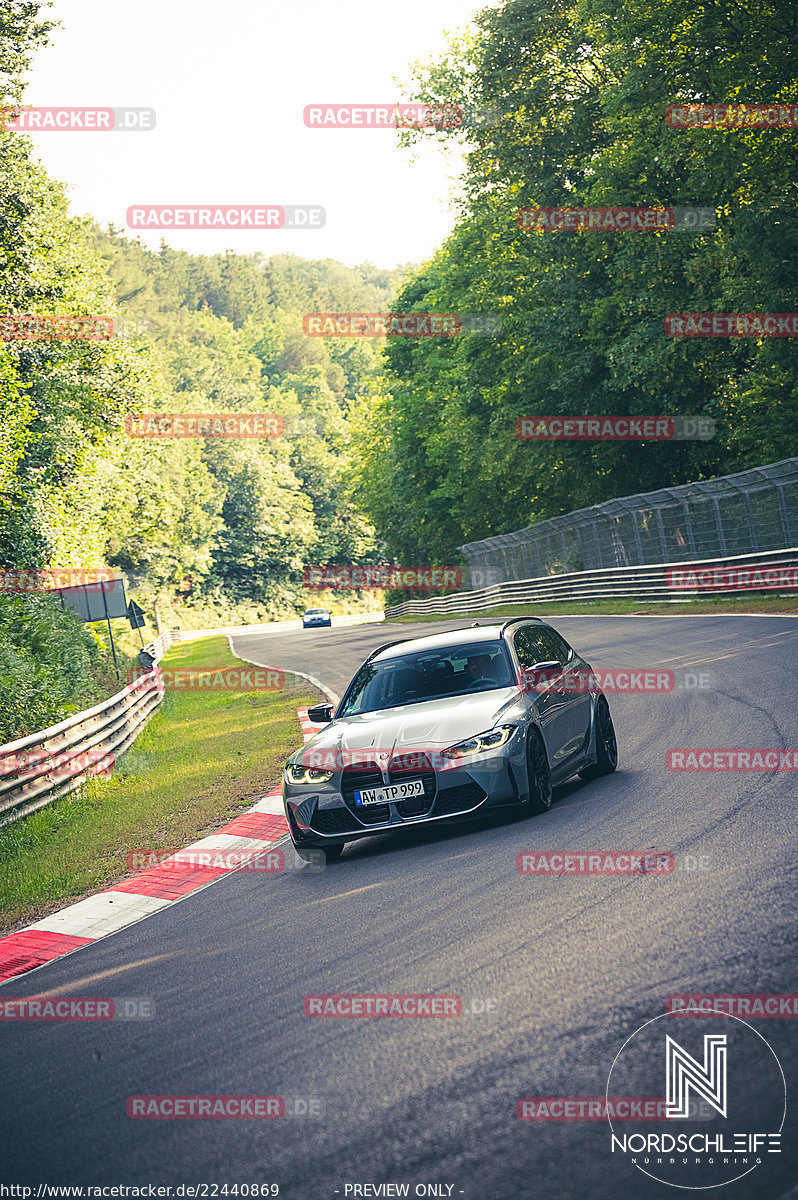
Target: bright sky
229,82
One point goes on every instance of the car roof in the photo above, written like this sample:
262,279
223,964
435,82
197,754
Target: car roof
466,634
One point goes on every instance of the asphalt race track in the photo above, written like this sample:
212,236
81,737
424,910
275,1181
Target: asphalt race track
554,972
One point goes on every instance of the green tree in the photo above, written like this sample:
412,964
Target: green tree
584,86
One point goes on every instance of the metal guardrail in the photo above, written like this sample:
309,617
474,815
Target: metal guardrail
646,583
751,512
44,766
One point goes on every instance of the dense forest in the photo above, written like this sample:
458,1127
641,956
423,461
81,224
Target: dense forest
214,531
219,526
583,90
406,453
401,450
230,523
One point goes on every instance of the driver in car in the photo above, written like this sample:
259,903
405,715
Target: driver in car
480,667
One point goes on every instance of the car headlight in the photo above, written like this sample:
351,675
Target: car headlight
492,739
297,773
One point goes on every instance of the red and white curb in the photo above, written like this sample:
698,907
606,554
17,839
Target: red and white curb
150,891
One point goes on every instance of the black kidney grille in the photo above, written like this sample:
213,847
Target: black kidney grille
413,765
364,775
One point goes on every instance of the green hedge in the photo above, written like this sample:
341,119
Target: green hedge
49,663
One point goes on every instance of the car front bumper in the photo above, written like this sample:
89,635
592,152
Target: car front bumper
329,813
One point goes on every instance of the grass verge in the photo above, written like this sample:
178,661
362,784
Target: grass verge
203,758
696,608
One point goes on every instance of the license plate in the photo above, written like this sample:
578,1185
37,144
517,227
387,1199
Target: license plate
390,793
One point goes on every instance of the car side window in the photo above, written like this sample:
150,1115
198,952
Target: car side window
523,648
530,647
559,648
534,644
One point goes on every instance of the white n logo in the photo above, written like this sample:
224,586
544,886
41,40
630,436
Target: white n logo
683,1072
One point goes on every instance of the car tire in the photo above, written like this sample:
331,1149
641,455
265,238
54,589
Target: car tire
606,744
538,776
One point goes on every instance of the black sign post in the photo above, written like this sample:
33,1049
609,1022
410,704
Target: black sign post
135,615
97,602
110,631
100,601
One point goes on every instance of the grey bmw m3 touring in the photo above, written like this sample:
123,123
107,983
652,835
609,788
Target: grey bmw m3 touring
445,727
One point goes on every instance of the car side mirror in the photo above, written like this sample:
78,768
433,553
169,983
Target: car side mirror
542,672
320,714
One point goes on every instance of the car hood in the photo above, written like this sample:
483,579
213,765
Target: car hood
432,724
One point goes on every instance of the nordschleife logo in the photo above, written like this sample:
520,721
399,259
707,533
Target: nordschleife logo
734,1075
684,1074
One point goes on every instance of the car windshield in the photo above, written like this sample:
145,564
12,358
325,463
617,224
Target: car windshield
311,612
428,675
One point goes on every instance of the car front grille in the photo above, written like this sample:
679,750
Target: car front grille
413,766
364,775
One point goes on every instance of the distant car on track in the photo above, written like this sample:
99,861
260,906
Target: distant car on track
449,726
313,617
